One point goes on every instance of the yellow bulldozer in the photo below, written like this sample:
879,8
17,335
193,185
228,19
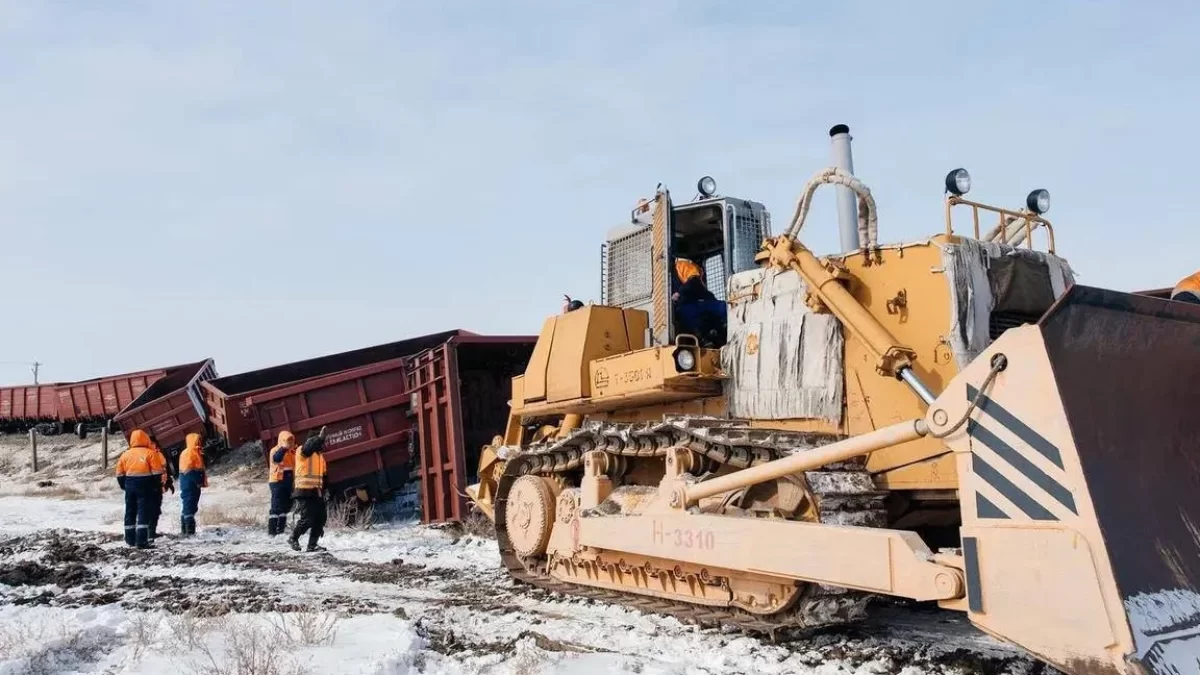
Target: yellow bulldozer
951,420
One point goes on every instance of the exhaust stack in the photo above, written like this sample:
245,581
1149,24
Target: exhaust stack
847,204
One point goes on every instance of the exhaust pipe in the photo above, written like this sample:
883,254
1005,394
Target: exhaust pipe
847,203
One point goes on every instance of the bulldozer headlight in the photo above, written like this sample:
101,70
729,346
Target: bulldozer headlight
1038,201
958,182
685,360
707,186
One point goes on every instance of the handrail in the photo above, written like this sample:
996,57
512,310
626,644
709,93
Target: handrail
1006,217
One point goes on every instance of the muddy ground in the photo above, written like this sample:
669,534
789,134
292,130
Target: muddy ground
69,568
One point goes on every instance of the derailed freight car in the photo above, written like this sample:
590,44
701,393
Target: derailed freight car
365,413
226,398
459,393
171,408
426,415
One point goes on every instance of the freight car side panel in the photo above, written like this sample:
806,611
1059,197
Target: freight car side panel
105,397
28,403
227,399
365,411
460,392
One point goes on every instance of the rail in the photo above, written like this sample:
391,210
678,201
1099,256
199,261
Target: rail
1012,227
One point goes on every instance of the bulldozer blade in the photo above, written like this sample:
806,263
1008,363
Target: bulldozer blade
1128,373
1080,484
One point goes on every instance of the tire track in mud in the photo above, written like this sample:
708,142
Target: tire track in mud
90,568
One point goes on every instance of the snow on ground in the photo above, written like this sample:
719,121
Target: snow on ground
396,598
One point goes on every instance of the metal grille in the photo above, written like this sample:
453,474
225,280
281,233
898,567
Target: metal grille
714,275
999,322
626,269
750,226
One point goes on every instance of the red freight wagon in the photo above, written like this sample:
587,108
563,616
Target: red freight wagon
100,399
24,405
460,392
171,408
365,411
225,398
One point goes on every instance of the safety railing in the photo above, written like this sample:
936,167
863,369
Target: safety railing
1012,227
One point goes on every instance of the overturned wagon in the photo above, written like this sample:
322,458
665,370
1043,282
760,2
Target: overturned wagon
226,399
171,408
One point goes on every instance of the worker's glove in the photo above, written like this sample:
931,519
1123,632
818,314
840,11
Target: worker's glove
171,486
313,444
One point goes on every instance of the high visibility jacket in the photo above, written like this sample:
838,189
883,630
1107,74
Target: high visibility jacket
191,463
141,460
1189,285
310,472
282,457
686,269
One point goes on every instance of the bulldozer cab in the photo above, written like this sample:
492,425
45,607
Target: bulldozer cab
719,234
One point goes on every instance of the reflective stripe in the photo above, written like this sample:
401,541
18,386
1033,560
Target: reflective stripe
310,472
142,475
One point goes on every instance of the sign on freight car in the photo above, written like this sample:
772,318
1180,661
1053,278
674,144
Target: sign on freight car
343,436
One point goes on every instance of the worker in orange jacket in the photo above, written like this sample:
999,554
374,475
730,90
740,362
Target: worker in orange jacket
140,472
311,483
167,483
697,311
282,462
193,477
1187,290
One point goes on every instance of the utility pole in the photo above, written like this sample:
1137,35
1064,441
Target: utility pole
34,367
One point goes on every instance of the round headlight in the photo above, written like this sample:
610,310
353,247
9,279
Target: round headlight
958,182
685,360
1038,201
707,186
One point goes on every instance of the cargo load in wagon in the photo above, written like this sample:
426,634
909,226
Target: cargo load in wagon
225,398
460,392
171,408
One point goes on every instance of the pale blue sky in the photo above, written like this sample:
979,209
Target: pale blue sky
263,182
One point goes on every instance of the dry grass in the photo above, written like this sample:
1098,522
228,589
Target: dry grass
226,514
350,514
303,629
478,524
38,649
142,631
190,628
56,491
249,648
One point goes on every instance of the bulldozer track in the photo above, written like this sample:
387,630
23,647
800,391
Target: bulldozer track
843,492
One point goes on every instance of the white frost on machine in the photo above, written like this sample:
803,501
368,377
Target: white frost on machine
784,360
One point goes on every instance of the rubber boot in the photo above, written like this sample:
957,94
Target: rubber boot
313,547
192,526
272,525
294,543
183,526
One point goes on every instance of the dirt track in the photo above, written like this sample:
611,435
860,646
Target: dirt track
66,568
